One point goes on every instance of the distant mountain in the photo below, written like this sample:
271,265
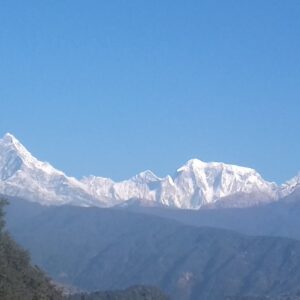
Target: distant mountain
22,175
194,185
294,195
280,218
290,186
104,249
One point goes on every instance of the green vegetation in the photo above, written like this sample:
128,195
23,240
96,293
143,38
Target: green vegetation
18,279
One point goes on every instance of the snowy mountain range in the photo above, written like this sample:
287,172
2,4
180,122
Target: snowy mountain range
195,185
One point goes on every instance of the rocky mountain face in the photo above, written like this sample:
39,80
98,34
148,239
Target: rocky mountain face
194,185
22,175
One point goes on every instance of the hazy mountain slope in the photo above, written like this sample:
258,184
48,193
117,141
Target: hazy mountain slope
98,249
194,185
275,219
18,279
278,297
133,293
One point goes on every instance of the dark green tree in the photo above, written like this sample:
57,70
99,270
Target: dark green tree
19,280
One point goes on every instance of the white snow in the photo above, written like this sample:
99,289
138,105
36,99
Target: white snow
289,187
194,184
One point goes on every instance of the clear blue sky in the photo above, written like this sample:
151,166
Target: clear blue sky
115,87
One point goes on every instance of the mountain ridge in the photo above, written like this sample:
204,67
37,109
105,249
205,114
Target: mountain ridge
194,185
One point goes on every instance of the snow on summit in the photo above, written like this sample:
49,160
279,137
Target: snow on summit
22,175
13,146
194,185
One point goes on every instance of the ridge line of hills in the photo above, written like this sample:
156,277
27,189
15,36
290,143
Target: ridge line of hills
195,185
107,248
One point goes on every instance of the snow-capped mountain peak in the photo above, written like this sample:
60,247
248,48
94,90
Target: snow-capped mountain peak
290,186
201,183
194,185
22,175
9,138
10,146
294,181
146,176
197,164
192,164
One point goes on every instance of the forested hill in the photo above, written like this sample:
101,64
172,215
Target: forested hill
19,280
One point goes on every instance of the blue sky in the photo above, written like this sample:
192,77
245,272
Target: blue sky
112,88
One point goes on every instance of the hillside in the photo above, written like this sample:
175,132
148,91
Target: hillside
279,219
133,293
19,280
108,249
